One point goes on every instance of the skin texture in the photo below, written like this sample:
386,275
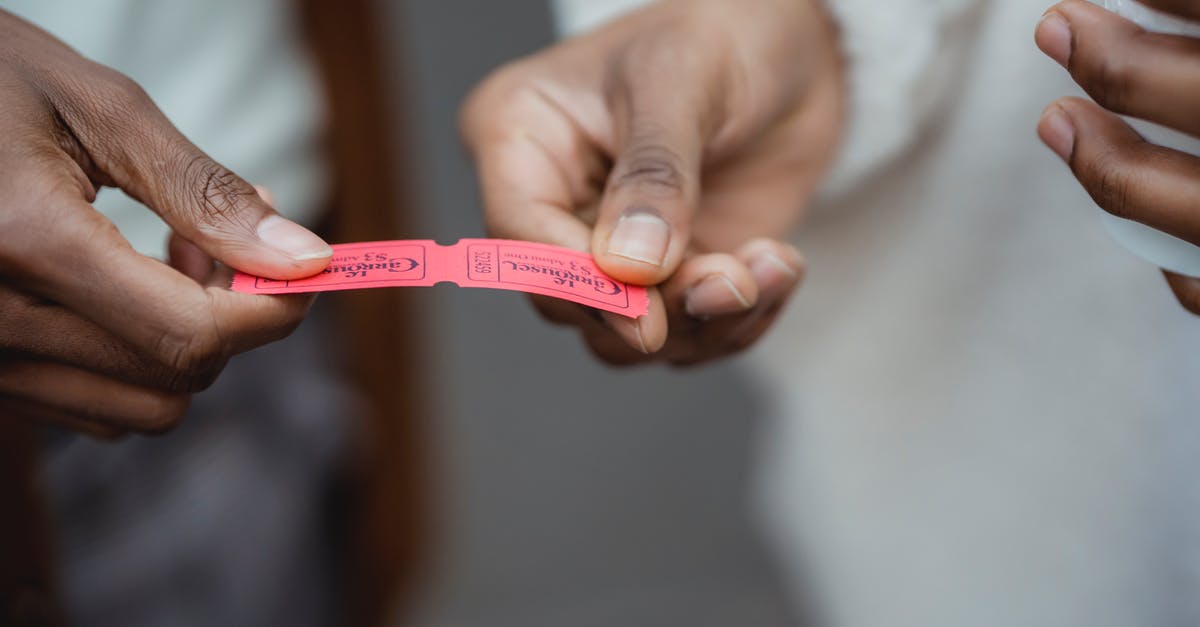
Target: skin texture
92,334
1129,71
717,118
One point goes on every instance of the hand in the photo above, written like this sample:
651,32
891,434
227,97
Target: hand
93,334
677,145
1129,71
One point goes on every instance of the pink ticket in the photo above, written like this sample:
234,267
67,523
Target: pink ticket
492,263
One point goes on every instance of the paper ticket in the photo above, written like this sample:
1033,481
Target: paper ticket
490,263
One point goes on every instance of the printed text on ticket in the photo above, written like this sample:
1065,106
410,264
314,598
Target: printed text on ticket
491,263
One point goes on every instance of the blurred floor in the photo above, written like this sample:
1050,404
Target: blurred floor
573,494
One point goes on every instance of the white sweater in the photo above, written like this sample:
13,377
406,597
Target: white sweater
986,412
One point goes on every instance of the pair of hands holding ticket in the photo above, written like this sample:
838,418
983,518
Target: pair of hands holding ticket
620,123
678,145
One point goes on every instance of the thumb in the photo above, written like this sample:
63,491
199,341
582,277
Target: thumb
203,201
645,218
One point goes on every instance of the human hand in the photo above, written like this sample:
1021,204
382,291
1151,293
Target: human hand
677,145
93,334
1129,71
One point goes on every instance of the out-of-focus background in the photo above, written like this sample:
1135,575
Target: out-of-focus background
572,494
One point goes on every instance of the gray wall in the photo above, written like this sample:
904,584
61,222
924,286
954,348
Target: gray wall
573,494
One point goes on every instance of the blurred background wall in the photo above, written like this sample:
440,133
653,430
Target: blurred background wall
571,494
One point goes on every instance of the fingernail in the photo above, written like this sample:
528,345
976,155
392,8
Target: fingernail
767,265
632,327
773,275
714,296
1057,131
642,236
292,239
1054,37
637,333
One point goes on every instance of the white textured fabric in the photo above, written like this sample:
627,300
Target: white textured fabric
902,57
231,75
986,410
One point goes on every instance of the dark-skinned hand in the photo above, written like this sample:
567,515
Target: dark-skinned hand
93,334
1128,70
679,145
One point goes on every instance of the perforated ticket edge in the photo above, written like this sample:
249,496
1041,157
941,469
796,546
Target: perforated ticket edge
509,265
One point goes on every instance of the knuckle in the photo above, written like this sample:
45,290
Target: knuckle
50,228
124,87
651,167
220,198
115,99
490,105
192,358
1113,185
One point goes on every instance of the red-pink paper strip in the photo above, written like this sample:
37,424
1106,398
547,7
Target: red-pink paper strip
491,263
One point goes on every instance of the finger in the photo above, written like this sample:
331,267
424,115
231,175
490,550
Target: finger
53,333
140,151
560,312
90,397
646,334
758,269
707,286
778,269
525,197
598,333
536,171
193,262
37,412
165,316
1182,8
1123,67
1186,289
661,115
266,194
188,258
1123,173
612,349
536,167
721,339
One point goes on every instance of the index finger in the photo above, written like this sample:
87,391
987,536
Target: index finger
1182,8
